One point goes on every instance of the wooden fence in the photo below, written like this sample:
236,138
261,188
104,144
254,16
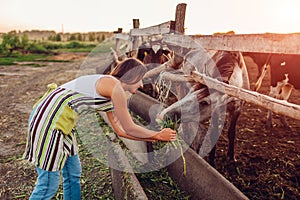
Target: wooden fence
171,33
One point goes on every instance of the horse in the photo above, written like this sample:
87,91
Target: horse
202,103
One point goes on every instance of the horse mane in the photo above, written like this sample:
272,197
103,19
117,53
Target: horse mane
225,62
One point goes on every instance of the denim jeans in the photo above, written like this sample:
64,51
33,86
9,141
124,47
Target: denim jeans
48,182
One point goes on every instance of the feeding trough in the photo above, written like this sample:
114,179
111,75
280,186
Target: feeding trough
201,180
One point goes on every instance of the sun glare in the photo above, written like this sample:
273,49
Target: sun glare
289,16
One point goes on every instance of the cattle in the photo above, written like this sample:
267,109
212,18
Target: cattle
260,59
152,54
228,67
281,91
284,73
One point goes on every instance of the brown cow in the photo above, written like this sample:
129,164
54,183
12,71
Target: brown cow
281,91
285,74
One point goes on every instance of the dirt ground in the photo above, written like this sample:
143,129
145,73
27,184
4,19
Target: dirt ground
20,87
268,161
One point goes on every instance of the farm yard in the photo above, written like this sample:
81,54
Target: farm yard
267,164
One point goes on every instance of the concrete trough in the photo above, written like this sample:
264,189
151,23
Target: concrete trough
201,180
124,182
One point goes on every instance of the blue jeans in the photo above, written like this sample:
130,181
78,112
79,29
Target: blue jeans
48,182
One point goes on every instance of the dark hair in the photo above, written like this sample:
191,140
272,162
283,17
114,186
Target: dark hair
129,71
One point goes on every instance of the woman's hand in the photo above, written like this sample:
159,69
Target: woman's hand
166,135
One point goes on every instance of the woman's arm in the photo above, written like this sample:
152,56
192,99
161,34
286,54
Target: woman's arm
112,88
119,130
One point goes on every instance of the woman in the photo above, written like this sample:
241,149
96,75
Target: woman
51,143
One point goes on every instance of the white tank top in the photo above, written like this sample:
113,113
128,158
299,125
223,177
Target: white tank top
85,85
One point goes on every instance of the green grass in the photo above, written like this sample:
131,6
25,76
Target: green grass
34,65
103,47
20,58
159,185
96,179
76,50
94,48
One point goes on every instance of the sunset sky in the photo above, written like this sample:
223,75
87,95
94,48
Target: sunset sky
202,16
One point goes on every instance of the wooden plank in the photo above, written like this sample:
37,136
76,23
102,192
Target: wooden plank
263,43
152,30
122,36
163,28
277,106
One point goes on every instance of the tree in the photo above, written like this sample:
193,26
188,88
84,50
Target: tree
91,37
79,37
10,42
24,41
103,37
58,37
72,37
50,38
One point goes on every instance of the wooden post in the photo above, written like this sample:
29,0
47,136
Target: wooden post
179,28
136,23
135,43
180,17
181,92
117,46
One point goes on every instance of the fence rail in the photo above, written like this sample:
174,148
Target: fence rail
261,43
278,106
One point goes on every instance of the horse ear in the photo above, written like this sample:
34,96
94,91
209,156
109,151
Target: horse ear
114,53
134,53
131,54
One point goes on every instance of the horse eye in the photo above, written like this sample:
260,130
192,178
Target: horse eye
203,103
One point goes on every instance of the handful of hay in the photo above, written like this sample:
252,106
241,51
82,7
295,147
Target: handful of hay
168,122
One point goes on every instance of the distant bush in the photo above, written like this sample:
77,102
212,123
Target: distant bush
52,45
54,38
78,45
74,45
24,42
10,42
36,48
13,44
